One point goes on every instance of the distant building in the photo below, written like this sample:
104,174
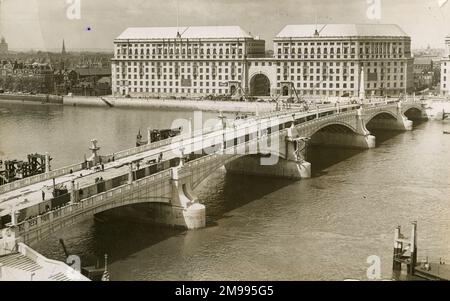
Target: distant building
103,86
423,72
3,46
445,69
98,73
19,76
423,64
316,60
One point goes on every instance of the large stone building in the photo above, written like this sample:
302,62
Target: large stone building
445,69
186,61
320,60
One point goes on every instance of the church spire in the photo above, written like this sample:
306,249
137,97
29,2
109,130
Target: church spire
63,48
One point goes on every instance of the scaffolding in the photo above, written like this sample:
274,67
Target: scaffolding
13,170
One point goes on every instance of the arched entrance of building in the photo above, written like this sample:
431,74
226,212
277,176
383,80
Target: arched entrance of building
232,90
260,85
285,91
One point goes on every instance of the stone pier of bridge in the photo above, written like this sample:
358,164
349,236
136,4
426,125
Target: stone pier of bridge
184,209
178,206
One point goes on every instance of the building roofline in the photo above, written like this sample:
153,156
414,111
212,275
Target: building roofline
283,33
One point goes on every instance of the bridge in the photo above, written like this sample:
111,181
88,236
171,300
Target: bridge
164,174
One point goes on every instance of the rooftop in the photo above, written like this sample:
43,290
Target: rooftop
341,30
191,32
423,60
93,71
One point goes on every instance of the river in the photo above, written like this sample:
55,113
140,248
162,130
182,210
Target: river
323,228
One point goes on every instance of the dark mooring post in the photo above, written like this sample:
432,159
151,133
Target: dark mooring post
396,263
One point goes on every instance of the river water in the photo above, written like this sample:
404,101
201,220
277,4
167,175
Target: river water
323,228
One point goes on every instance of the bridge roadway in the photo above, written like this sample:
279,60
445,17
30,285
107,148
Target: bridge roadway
31,195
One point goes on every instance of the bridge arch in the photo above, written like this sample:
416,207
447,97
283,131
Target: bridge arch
334,126
413,113
381,115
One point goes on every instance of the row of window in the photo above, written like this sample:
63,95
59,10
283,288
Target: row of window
256,63
175,90
169,83
194,44
182,70
338,78
318,64
362,51
178,51
279,44
343,85
188,76
337,70
196,63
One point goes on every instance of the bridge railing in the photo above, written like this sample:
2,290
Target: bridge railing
158,144
40,177
88,203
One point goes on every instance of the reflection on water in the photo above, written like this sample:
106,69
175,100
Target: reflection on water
258,228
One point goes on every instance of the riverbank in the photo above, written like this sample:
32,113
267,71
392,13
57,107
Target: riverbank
170,104
40,98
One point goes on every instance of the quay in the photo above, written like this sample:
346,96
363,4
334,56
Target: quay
170,104
164,174
38,98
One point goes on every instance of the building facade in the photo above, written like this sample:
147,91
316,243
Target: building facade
329,59
316,60
445,69
186,61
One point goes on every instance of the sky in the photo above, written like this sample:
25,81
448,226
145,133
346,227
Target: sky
43,24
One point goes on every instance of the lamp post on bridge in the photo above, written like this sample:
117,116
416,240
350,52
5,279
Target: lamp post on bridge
224,126
182,156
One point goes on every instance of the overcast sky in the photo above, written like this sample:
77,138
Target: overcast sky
42,24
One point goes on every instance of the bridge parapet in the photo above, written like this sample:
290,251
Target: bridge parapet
155,188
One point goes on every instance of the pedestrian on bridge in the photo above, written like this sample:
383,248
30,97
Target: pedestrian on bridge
43,195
